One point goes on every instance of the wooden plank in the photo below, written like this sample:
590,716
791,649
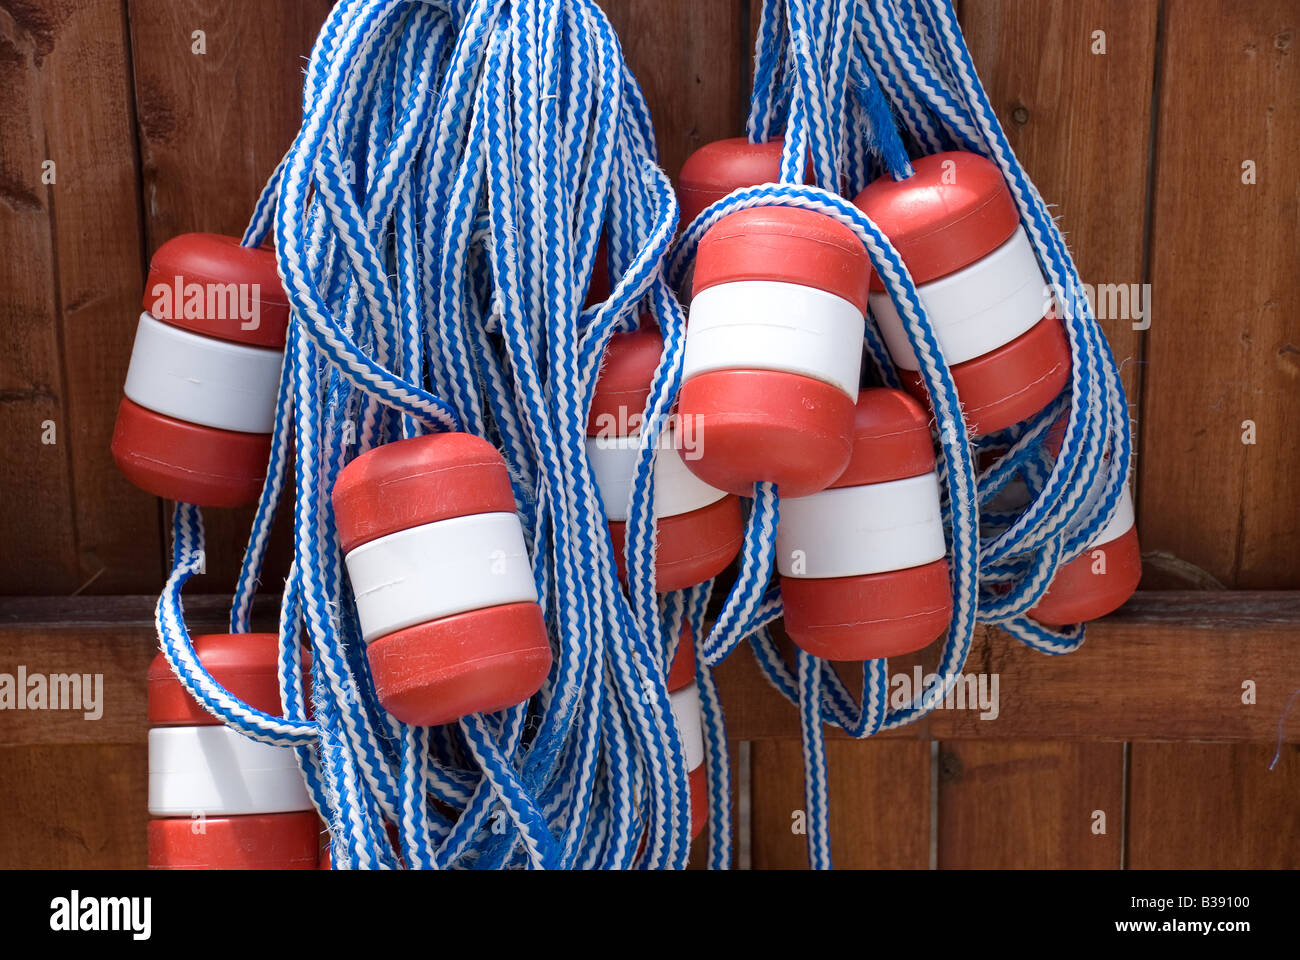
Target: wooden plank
1214,806
212,127
109,665
695,85
1227,350
1224,353
109,637
78,289
879,804
98,247
1170,666
1031,805
81,807
38,550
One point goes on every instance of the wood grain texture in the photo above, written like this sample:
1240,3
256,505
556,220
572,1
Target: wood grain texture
1224,348
81,806
1224,344
1211,806
1031,805
694,83
1168,666
97,232
109,636
39,552
212,127
879,804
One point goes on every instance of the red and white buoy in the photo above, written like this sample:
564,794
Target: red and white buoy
863,568
722,167
442,579
1099,580
684,698
956,227
220,800
698,528
774,350
195,423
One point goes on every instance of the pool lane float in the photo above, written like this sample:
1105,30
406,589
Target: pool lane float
863,563
199,407
957,229
442,579
698,528
774,350
220,801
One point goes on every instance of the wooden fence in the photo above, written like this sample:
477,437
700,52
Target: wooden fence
1165,132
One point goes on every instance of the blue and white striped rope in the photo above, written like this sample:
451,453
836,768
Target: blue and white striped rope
906,62
437,221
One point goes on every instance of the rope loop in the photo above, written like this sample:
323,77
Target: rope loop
461,168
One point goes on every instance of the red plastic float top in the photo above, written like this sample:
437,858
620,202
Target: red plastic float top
623,386
213,261
689,547
868,617
955,210
716,169
480,661
1078,593
417,481
265,841
788,245
243,663
1011,383
765,425
184,461
891,439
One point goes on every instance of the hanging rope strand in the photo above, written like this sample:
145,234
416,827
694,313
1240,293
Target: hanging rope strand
437,220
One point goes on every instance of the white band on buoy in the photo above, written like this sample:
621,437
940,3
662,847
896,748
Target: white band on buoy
230,386
677,490
975,310
215,771
685,704
854,531
767,325
439,569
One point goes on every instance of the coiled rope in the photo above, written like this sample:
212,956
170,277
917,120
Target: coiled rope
906,59
436,220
